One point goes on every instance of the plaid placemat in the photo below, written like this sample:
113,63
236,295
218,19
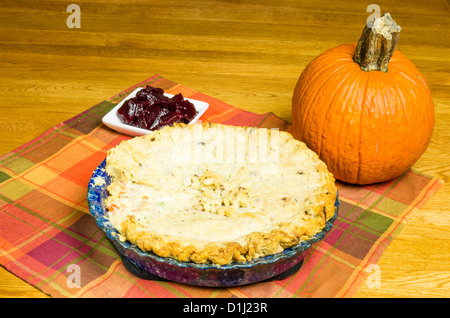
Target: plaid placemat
49,239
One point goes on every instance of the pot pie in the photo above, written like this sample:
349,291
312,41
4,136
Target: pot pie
211,193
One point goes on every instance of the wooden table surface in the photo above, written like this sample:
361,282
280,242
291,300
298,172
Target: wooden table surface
248,53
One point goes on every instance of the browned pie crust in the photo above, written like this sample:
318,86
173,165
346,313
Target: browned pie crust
175,193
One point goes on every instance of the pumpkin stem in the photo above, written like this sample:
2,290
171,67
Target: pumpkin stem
377,44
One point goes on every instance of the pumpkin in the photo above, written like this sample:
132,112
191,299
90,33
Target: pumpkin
364,108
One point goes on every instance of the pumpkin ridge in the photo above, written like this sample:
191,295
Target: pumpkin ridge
410,75
329,77
401,94
361,126
417,93
423,90
330,106
387,103
320,72
340,128
421,113
317,63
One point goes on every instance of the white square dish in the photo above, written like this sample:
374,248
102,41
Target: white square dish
113,121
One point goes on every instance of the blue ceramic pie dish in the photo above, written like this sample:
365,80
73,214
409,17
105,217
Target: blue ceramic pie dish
211,275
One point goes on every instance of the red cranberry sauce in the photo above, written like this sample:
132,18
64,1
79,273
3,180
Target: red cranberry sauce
152,110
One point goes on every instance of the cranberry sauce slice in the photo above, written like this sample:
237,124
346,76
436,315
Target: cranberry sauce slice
187,109
157,122
170,118
152,94
131,109
147,118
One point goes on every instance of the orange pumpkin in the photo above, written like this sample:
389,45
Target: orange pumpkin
365,109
